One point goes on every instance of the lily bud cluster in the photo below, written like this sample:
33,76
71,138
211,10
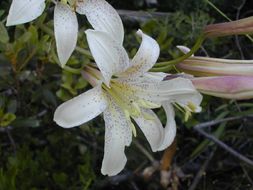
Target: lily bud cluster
232,79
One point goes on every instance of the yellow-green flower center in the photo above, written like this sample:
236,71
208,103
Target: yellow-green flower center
71,3
124,97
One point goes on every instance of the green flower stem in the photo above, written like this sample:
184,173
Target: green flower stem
28,59
218,10
50,32
84,52
76,71
164,66
162,69
72,70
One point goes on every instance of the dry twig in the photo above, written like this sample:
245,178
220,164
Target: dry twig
199,129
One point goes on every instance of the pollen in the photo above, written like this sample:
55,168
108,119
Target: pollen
64,1
124,96
192,106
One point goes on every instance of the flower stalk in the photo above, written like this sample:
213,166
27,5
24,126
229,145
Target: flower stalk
165,66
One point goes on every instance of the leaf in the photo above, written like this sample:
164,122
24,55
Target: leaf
63,94
1,12
4,37
12,106
26,122
162,36
7,119
49,97
81,84
34,34
60,178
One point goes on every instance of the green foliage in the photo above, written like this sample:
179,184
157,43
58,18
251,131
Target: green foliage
46,168
6,119
70,86
7,111
4,36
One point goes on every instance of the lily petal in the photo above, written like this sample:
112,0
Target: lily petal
145,58
193,97
117,135
151,127
149,77
173,90
103,17
66,30
181,90
184,49
170,128
22,11
81,108
155,76
111,58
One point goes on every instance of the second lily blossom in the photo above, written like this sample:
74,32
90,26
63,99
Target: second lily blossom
101,15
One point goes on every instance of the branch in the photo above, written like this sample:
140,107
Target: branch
141,16
144,151
199,129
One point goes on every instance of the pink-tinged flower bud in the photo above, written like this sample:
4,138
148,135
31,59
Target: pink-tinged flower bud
242,26
204,66
230,87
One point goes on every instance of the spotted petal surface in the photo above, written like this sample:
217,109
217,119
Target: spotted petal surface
22,11
170,128
145,58
110,57
81,108
103,17
151,127
66,30
117,135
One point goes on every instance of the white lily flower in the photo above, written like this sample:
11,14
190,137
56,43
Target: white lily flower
130,95
101,15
